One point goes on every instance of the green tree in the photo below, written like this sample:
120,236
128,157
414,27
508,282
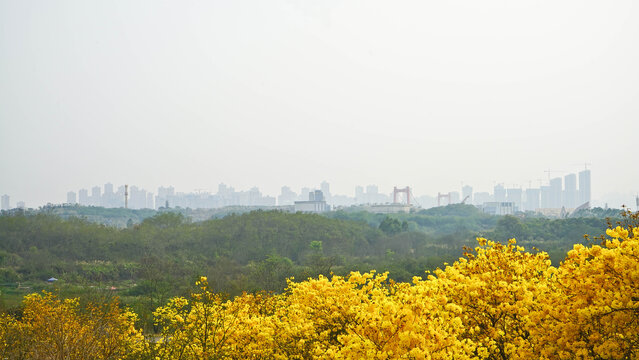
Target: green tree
391,226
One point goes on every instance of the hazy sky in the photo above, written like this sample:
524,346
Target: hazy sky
269,93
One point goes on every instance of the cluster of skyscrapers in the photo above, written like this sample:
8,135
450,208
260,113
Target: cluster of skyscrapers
111,198
5,203
226,196
558,194
369,196
138,198
569,192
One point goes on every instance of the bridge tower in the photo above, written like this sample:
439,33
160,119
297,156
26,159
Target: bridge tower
397,191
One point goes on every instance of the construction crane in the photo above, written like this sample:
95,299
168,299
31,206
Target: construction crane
585,164
466,198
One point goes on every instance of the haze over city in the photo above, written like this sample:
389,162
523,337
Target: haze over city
430,95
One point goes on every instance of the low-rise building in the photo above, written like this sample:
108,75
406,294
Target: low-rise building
315,203
498,208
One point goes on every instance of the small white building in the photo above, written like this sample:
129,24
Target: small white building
395,208
315,203
499,208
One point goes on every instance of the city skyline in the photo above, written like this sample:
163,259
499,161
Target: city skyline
269,93
560,192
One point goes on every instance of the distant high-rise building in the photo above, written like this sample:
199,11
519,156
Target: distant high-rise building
4,202
532,200
326,190
571,196
499,193
546,196
109,198
482,197
359,195
584,187
254,196
119,197
555,193
454,197
221,189
96,197
467,192
71,198
149,201
316,195
426,201
170,191
304,194
83,197
373,196
137,198
225,195
513,195
167,195
286,197
20,205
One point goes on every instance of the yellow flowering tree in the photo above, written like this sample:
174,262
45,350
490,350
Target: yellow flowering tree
497,302
51,328
595,313
312,315
397,320
496,287
210,326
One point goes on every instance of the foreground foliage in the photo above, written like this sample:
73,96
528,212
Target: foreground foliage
50,328
496,302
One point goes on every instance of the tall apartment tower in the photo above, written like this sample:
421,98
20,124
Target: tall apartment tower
326,190
513,195
584,187
359,195
4,202
96,196
499,193
532,199
71,199
83,197
109,198
555,193
546,197
571,197
287,196
149,201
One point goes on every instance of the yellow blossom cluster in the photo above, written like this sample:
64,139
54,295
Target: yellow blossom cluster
497,302
595,311
50,328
